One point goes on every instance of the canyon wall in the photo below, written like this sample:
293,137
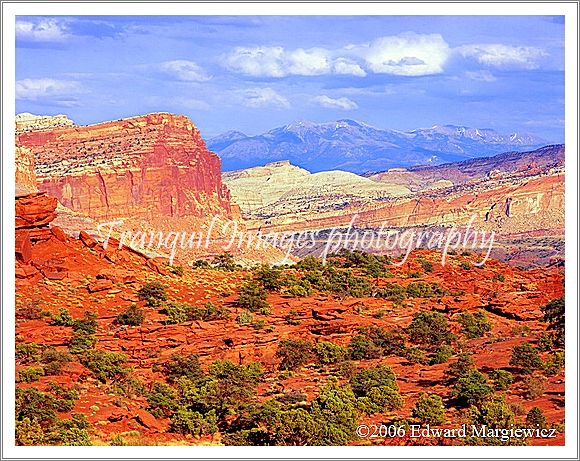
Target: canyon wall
142,167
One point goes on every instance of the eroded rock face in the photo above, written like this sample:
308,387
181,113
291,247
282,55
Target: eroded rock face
152,165
25,175
34,210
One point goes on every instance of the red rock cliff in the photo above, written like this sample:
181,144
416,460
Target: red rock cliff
146,166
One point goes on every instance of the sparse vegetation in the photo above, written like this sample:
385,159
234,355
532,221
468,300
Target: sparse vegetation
429,409
153,294
526,357
294,353
474,325
131,316
430,329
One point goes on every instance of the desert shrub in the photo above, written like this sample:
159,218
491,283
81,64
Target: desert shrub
162,400
536,418
292,398
426,265
28,352
186,421
299,289
393,292
231,386
521,330
30,374
526,357
361,348
421,290
244,318
414,275
554,364
182,366
494,413
152,293
81,342
474,325
471,388
54,360
463,364
534,386
545,342
63,318
391,342
30,310
554,315
294,353
225,262
201,264
343,282
415,354
498,278
429,409
106,365
132,316
253,296
88,324
465,265
347,369
270,277
177,270
502,379
429,328
328,352
309,263
210,312
377,389
442,354
178,312
70,432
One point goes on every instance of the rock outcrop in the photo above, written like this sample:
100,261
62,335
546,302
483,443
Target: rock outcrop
147,166
30,122
25,175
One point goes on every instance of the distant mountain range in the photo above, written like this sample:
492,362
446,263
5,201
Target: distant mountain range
357,147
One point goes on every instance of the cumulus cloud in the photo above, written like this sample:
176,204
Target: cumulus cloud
34,89
406,54
335,103
187,71
263,97
45,30
498,55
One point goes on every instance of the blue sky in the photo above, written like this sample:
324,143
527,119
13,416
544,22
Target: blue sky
253,73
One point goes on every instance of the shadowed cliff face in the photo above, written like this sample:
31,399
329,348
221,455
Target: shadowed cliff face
152,165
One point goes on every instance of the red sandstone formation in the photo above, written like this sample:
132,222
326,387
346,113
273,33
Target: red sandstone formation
146,166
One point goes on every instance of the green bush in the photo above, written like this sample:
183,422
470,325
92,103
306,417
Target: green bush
309,263
244,318
329,353
54,360
502,379
526,357
377,389
106,365
269,277
471,388
30,374
132,316
183,366
28,352
162,400
554,315
554,364
415,354
442,354
186,421
152,293
201,264
426,265
493,413
465,265
343,282
294,353
391,342
253,296
361,348
429,328
536,418
177,270
429,409
474,325
63,318
393,292
458,368
225,262
81,342
545,342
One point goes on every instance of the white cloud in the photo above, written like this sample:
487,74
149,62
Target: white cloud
187,71
33,89
46,30
498,55
335,103
481,76
263,97
406,54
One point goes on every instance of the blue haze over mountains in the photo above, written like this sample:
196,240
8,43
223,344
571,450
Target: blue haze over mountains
357,147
